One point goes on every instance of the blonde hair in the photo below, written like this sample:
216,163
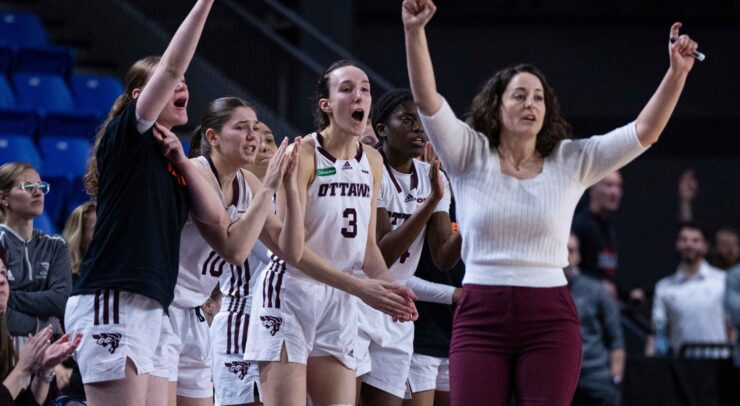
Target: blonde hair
8,174
73,231
136,78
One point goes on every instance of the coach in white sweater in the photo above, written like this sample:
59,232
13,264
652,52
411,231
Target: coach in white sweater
518,178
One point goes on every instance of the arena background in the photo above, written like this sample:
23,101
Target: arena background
604,59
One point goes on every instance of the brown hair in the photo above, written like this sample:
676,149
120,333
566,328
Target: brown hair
321,119
136,78
8,174
73,231
485,115
215,116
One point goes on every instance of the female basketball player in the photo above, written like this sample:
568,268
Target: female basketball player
145,187
413,203
302,330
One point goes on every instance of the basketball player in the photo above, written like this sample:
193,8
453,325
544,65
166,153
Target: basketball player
145,187
301,330
414,202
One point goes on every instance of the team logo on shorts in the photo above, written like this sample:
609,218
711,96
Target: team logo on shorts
272,323
106,339
239,368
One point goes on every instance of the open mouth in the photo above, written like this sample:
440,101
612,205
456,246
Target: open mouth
419,141
530,117
181,102
358,115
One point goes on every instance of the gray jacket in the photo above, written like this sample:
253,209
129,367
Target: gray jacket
40,279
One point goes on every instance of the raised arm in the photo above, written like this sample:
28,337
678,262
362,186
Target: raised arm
171,68
416,14
654,117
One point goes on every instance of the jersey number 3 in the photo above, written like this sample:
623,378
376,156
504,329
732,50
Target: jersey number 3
351,230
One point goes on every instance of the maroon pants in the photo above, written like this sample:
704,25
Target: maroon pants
514,339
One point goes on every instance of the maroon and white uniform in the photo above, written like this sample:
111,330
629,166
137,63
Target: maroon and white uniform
384,347
309,317
200,270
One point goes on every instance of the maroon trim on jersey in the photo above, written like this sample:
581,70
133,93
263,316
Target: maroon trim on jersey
277,267
214,170
205,263
97,308
106,293
235,184
116,293
414,174
228,333
105,296
320,139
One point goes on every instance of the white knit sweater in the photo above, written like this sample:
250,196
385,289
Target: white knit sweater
515,232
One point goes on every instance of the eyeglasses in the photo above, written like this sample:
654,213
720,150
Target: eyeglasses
43,187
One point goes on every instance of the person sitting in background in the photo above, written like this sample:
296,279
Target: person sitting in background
78,233
726,250
26,377
602,368
38,264
688,305
732,307
595,230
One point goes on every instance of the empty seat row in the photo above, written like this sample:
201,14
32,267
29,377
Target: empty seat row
88,94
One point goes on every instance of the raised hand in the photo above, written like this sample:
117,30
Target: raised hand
435,177
276,168
417,13
33,351
170,144
681,50
290,177
60,350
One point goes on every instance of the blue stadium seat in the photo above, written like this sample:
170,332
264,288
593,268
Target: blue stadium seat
95,93
42,92
51,60
18,122
80,125
19,148
7,98
65,161
21,29
44,223
65,156
6,59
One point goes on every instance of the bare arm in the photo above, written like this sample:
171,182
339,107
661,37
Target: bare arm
234,241
654,116
175,60
444,245
416,14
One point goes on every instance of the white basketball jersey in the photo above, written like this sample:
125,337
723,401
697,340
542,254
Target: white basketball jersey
402,194
338,208
200,266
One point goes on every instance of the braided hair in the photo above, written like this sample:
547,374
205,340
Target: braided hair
385,105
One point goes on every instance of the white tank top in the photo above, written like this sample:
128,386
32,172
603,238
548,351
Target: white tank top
338,208
200,266
402,194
